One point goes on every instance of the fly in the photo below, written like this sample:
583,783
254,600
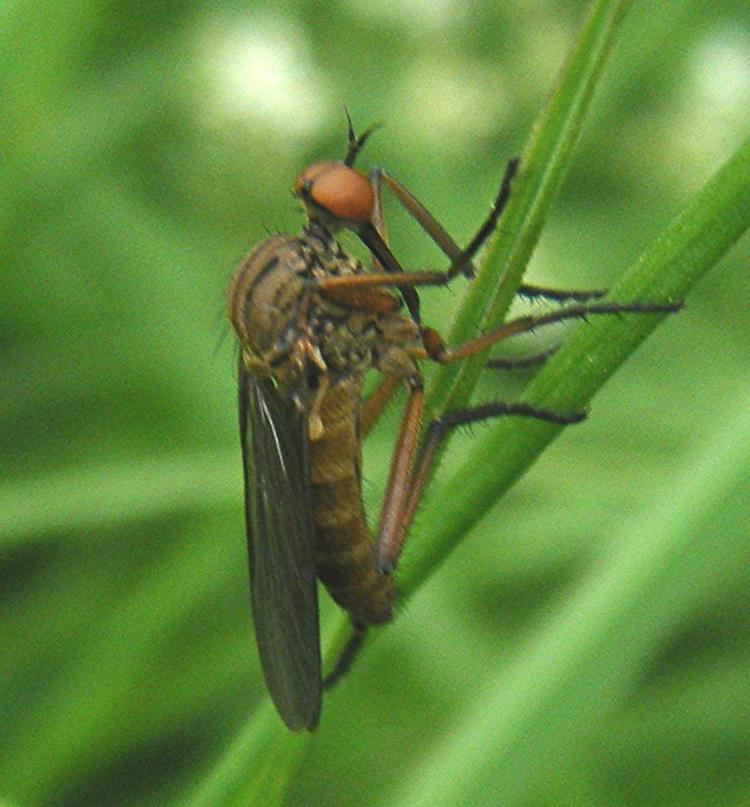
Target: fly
310,321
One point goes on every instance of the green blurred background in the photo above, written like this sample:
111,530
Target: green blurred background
144,150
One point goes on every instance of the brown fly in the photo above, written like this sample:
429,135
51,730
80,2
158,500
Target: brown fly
310,321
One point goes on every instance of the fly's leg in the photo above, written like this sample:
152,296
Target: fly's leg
348,289
556,295
440,427
560,295
410,469
520,362
372,235
460,258
408,476
347,656
434,348
545,293
436,433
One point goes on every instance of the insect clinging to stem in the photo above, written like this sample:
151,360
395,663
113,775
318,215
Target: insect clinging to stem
310,321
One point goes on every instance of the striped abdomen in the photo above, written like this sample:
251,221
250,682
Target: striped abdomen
345,549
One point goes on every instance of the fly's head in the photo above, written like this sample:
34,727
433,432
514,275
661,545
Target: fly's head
336,195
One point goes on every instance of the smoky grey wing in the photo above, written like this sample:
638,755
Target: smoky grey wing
281,549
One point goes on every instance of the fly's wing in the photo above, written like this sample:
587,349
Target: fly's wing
281,547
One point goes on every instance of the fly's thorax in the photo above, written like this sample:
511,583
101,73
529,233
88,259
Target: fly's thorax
351,340
287,327
348,340
400,342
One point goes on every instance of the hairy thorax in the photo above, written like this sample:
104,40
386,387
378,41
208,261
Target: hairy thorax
292,332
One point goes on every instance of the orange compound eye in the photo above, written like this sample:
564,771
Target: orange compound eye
339,190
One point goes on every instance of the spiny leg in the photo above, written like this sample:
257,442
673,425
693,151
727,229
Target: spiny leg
436,351
404,500
439,428
460,258
520,362
407,478
560,295
339,287
542,292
